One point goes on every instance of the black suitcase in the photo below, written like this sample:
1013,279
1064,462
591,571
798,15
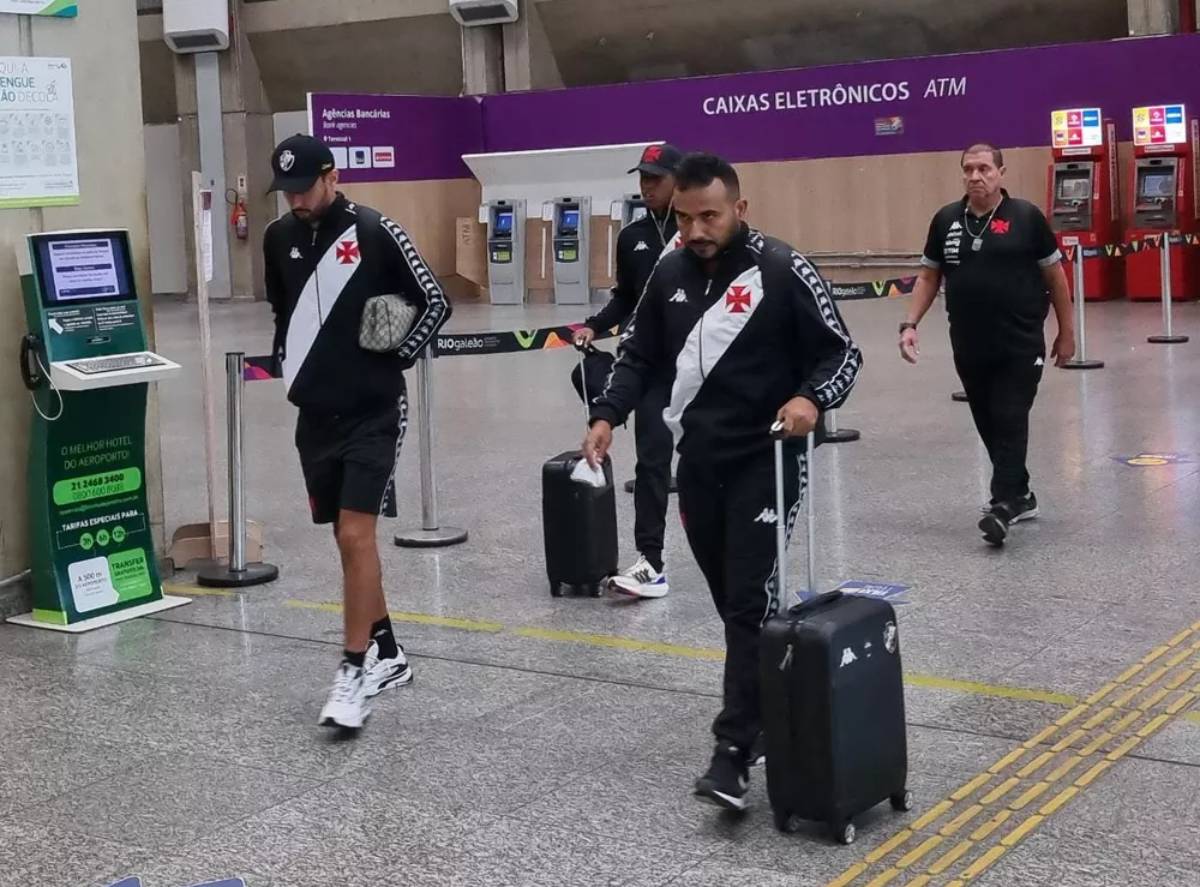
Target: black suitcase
580,525
832,701
579,521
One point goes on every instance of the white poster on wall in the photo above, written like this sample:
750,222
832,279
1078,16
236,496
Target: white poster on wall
60,8
38,161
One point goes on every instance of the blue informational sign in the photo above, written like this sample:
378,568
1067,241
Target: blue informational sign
881,590
1091,117
863,588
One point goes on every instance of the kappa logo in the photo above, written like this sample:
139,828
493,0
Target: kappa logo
956,226
347,253
1039,362
680,297
295,253
737,300
767,516
848,657
641,245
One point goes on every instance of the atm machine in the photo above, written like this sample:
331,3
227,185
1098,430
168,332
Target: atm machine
1164,200
85,362
1084,197
572,250
633,207
506,251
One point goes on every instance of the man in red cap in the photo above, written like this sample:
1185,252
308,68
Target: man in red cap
639,246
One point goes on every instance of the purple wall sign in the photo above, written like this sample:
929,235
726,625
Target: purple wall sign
833,111
397,138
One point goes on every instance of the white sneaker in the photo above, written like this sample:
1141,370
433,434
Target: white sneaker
641,580
380,674
347,704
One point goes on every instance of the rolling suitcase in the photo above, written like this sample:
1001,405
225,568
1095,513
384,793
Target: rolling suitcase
832,699
579,523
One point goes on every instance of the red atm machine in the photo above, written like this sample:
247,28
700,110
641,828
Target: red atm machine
1163,200
1084,197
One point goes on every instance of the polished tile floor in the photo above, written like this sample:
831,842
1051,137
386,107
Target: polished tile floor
554,741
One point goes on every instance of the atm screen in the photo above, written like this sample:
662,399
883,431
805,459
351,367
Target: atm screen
1074,188
504,223
1157,184
84,267
569,224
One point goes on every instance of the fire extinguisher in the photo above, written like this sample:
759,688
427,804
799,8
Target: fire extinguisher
240,221
239,218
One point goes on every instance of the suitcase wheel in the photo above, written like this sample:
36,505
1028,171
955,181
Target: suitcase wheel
786,822
844,832
902,802
556,589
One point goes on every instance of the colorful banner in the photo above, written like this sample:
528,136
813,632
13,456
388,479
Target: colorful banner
1151,241
923,104
1076,128
1160,125
262,367
60,8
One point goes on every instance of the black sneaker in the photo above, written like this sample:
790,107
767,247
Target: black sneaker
994,524
1025,508
727,781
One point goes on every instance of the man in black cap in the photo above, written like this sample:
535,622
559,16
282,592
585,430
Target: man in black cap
639,246
324,260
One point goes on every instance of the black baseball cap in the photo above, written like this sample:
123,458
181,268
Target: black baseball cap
659,160
298,161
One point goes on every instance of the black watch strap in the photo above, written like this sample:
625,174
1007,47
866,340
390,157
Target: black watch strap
907,325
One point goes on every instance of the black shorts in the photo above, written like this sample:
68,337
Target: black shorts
349,461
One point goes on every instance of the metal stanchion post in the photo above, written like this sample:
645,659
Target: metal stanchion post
833,434
1164,265
1080,361
431,534
236,573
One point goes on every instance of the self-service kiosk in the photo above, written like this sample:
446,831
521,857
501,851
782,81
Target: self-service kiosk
572,250
1084,196
506,251
84,360
633,207
1163,201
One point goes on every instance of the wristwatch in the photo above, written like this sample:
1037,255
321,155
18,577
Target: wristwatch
907,325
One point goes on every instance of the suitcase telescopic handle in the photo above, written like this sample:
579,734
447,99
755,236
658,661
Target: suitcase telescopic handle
587,404
781,517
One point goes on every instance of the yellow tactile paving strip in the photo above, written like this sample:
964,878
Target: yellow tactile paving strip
1015,795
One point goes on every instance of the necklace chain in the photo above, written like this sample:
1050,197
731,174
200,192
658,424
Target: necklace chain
986,222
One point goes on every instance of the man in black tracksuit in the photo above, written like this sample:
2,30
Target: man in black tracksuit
324,260
1003,271
639,246
749,333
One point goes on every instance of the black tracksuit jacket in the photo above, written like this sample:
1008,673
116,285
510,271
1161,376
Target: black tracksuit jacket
639,246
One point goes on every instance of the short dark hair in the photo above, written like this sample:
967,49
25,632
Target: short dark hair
699,170
980,147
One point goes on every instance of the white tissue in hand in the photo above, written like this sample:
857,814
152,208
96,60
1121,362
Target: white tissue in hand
586,474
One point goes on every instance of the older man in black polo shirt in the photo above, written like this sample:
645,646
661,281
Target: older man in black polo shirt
1003,270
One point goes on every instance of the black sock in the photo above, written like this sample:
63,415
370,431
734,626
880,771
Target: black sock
381,633
655,561
355,659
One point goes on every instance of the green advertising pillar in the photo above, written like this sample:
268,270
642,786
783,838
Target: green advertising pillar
84,360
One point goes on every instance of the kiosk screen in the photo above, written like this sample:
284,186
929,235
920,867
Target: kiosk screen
84,267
